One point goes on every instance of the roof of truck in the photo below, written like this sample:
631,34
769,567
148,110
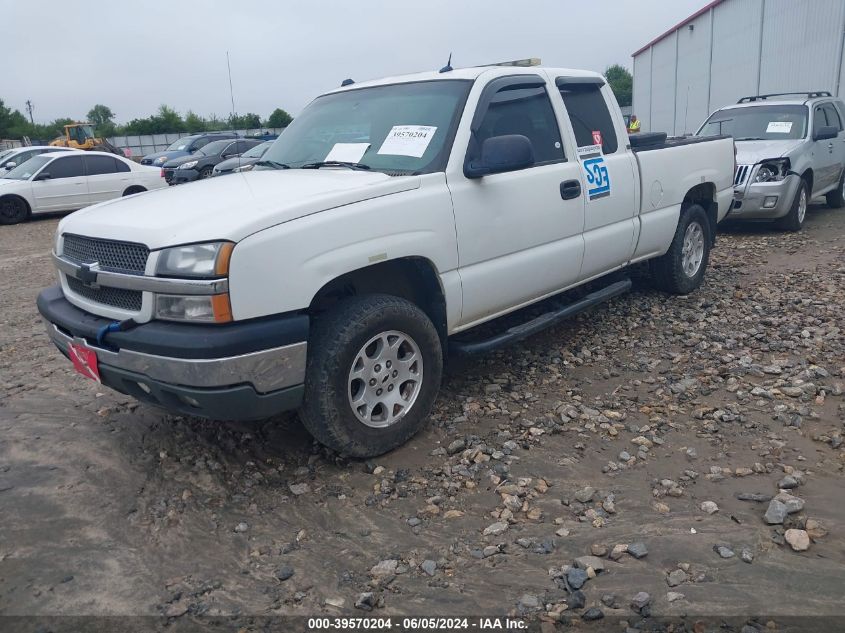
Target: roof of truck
471,73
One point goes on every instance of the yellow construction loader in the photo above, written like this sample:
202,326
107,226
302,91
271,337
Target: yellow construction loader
81,136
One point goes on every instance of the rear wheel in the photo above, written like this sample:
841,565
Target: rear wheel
374,369
135,189
682,268
794,220
13,210
836,198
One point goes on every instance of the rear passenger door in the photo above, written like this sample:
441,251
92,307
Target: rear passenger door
105,181
519,238
66,189
608,173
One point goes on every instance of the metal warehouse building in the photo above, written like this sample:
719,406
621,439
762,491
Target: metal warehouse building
733,48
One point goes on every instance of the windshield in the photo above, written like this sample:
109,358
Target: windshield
5,153
181,145
758,123
27,170
258,150
212,149
404,128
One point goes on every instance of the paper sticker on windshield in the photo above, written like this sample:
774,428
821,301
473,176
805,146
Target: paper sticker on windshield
347,152
779,127
407,140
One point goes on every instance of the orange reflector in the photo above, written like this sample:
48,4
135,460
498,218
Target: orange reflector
223,257
222,308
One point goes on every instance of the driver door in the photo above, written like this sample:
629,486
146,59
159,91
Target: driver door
519,238
65,190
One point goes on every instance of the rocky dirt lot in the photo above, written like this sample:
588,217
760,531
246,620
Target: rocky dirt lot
659,457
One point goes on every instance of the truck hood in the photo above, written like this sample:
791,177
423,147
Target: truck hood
230,208
752,152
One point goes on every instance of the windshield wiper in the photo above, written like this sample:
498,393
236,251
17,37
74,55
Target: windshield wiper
750,138
335,163
271,163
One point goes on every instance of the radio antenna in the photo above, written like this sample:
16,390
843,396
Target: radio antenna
232,96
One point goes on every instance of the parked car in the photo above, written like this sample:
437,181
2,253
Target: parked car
184,147
70,180
335,276
790,148
200,164
244,162
11,158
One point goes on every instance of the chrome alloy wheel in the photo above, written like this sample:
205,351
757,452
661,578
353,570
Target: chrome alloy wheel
385,379
802,205
692,252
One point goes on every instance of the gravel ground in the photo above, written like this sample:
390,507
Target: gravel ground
633,450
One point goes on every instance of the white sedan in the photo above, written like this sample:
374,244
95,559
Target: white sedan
67,181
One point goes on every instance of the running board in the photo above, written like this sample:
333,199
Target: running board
519,332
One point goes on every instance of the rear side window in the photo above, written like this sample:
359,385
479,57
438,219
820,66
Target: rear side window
99,165
120,166
588,113
526,111
832,116
70,167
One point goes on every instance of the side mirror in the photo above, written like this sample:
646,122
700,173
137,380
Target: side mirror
825,132
44,175
11,165
508,152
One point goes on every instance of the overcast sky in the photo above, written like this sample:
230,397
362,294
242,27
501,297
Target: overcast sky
133,55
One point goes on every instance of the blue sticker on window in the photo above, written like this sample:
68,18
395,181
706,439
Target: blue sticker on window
598,180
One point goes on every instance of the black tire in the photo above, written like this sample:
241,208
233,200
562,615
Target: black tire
133,190
13,210
794,220
836,198
674,272
336,342
206,172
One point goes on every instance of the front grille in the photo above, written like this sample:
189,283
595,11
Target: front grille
124,257
146,161
741,174
115,297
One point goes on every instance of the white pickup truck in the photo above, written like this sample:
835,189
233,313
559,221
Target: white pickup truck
390,216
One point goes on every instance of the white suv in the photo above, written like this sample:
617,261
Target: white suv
790,148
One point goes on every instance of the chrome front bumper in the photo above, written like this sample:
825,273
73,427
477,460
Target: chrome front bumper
266,370
750,200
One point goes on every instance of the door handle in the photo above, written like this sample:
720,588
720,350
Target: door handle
570,189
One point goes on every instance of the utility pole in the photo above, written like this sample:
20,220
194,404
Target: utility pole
29,109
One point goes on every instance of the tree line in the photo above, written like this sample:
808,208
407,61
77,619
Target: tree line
14,125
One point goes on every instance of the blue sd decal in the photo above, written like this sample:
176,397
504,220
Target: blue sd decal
598,180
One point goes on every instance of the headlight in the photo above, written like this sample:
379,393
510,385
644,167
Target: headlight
195,260
160,160
772,170
189,165
244,168
206,309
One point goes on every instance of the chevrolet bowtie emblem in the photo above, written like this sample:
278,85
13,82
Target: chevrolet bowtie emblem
87,273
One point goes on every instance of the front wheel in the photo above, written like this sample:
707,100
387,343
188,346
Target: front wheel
205,172
794,220
374,369
681,269
13,210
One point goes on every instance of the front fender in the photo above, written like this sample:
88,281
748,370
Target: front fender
281,269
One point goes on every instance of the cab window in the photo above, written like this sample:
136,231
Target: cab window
588,113
832,116
99,165
527,111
